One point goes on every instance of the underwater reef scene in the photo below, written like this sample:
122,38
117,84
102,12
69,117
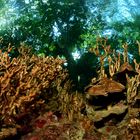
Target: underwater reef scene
38,101
69,69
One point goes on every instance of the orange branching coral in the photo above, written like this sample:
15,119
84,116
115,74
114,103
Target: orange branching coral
23,80
138,46
133,84
122,78
102,56
70,105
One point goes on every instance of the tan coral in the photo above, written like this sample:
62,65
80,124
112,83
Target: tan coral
23,80
126,68
103,87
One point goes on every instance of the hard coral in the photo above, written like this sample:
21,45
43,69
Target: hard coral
23,83
104,86
121,77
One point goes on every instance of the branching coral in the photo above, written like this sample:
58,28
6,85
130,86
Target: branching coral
126,77
30,84
24,82
70,103
133,84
